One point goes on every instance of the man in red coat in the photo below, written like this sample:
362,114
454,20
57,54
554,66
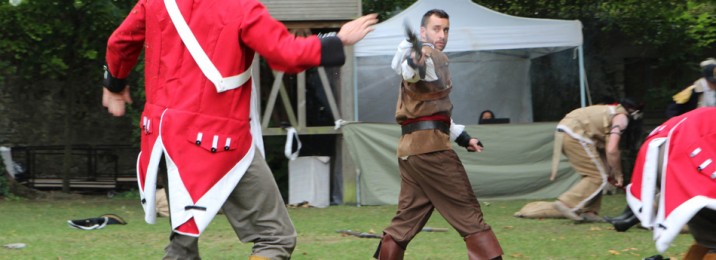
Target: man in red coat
201,112
676,171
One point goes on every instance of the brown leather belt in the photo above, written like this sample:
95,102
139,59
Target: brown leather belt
425,125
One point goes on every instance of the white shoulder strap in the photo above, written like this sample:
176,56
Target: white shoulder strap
207,67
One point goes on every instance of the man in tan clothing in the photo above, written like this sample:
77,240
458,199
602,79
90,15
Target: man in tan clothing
431,173
589,137
700,94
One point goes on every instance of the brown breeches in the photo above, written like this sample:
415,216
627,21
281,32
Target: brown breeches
703,228
255,211
430,181
585,195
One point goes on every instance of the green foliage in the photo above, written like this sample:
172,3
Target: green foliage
51,56
130,194
385,9
4,186
701,21
680,31
55,39
55,49
57,46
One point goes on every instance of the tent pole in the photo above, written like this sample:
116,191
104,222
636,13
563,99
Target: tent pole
355,89
356,118
582,75
358,202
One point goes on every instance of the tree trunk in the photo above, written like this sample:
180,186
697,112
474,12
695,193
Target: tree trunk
69,90
68,134
20,190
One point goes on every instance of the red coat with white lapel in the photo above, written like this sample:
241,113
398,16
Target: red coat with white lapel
209,138
688,174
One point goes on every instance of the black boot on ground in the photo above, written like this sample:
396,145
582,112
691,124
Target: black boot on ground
625,215
626,224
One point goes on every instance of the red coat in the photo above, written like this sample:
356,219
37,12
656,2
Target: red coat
208,138
688,178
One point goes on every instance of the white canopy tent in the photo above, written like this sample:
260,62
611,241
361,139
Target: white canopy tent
489,52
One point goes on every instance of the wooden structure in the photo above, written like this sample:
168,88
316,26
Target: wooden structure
315,11
306,17
95,167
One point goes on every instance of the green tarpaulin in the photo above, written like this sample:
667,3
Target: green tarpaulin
515,164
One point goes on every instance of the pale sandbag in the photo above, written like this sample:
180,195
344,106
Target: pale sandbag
162,204
538,209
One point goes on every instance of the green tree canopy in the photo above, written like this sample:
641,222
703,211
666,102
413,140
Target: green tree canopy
51,54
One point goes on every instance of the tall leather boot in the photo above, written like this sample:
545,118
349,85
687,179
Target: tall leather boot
627,213
483,246
710,256
696,252
388,249
625,224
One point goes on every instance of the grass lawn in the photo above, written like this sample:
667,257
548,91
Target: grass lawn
42,226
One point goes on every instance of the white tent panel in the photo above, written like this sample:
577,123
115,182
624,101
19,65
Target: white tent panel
473,27
378,90
490,57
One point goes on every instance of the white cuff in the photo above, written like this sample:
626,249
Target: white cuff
455,130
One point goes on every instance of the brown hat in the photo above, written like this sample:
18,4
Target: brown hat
709,73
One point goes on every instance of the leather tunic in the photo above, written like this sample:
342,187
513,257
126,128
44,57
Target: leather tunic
425,98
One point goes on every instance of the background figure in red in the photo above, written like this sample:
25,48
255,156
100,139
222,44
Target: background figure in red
676,171
201,112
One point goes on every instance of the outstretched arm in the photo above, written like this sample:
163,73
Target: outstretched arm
354,31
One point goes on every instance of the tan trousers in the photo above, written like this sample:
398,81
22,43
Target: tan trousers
585,195
257,214
703,228
435,180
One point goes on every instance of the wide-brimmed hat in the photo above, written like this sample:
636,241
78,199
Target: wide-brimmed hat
630,103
